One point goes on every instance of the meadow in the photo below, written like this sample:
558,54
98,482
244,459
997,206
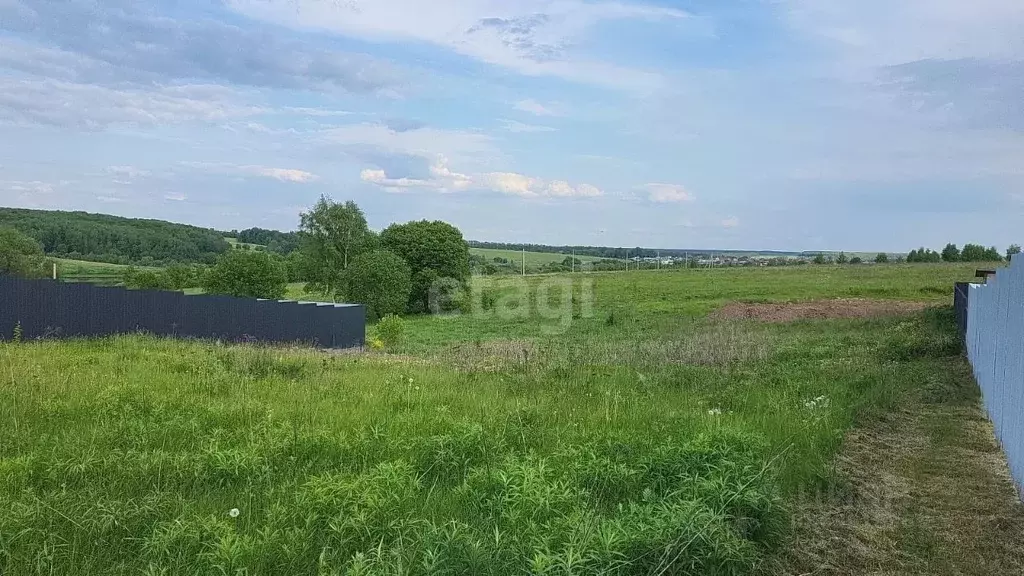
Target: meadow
533,259
94,272
575,424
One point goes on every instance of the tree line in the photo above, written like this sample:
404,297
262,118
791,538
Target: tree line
115,240
969,253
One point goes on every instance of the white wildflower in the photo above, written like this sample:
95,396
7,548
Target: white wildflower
234,512
715,412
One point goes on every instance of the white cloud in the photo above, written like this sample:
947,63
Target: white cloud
280,174
443,179
90,107
116,42
423,142
519,127
665,193
532,37
536,108
731,222
176,197
882,32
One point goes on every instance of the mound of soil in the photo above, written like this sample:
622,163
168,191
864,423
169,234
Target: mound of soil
817,309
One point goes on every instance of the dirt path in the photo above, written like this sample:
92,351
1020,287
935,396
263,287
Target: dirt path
928,493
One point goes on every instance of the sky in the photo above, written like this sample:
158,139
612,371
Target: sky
855,125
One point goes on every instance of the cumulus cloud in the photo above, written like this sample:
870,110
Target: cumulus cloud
111,42
443,179
532,37
665,193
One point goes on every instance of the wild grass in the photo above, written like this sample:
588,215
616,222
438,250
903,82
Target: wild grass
657,443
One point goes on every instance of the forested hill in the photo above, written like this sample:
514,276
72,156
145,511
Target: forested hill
104,238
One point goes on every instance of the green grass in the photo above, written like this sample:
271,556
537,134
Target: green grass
533,259
645,439
94,272
236,244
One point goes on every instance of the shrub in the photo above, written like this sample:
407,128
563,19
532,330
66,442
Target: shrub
144,279
21,255
882,258
381,281
391,330
248,275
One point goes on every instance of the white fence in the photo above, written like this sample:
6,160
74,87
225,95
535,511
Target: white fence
995,347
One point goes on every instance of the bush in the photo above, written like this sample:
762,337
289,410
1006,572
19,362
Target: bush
20,255
391,330
144,279
882,258
248,274
381,281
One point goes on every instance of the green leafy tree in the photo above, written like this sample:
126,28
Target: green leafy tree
913,257
144,279
381,281
819,259
332,235
856,260
248,275
973,253
1012,251
435,251
842,258
20,255
992,254
882,258
950,253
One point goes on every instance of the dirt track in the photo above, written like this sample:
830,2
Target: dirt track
817,309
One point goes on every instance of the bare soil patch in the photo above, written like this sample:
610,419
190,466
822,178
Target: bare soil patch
817,309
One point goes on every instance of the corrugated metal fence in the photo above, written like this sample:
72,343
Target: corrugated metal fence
50,309
995,346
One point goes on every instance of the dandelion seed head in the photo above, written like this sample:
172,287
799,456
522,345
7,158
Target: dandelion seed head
234,512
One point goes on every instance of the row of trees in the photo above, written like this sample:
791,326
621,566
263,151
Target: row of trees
970,253
283,243
405,268
103,238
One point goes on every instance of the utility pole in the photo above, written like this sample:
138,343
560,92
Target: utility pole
524,262
659,259
573,260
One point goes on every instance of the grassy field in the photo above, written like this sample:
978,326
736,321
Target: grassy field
84,271
236,244
624,433
533,259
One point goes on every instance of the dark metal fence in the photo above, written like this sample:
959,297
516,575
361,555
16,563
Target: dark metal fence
50,309
960,296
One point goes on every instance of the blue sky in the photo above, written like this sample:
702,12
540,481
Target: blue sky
761,124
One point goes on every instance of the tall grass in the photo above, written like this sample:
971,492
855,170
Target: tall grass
591,454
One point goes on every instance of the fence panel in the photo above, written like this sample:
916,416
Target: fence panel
50,309
995,347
